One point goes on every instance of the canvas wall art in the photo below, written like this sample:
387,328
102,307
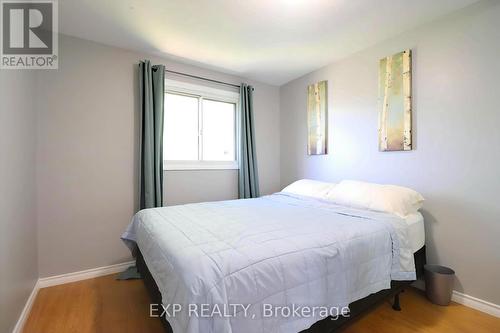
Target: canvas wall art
395,103
317,118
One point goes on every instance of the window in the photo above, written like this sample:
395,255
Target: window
200,129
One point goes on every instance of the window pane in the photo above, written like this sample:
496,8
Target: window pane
218,131
180,134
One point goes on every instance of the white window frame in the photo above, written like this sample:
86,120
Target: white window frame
209,93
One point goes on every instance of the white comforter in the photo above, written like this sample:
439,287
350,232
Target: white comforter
280,249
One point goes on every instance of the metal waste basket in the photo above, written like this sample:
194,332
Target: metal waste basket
439,283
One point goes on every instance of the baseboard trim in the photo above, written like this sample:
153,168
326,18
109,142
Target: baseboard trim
468,301
476,303
83,275
63,279
26,310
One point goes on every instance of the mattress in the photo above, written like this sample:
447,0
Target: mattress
416,231
281,250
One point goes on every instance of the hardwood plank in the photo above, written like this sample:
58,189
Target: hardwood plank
420,315
105,305
93,306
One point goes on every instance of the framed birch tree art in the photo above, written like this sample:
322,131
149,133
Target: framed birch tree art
317,118
395,105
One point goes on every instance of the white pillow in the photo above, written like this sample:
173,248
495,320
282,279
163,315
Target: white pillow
309,187
393,199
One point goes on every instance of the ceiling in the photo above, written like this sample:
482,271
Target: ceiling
272,41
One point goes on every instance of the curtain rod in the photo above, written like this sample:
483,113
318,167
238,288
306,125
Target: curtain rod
203,78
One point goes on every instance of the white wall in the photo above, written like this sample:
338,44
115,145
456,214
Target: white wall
199,185
87,154
456,158
18,241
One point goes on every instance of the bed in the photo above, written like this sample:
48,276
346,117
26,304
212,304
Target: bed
277,251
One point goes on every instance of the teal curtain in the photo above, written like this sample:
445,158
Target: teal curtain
248,175
152,95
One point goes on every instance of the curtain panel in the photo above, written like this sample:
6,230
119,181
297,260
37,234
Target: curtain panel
248,184
152,95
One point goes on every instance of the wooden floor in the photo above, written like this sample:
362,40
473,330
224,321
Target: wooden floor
104,305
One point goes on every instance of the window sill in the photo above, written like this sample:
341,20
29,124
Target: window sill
200,165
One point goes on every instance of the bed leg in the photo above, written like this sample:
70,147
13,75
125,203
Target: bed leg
396,306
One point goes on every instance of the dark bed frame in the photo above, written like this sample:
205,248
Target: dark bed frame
326,325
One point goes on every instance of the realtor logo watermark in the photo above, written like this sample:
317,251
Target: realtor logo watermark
243,310
29,38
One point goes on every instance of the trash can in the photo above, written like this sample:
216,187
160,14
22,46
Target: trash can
439,283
